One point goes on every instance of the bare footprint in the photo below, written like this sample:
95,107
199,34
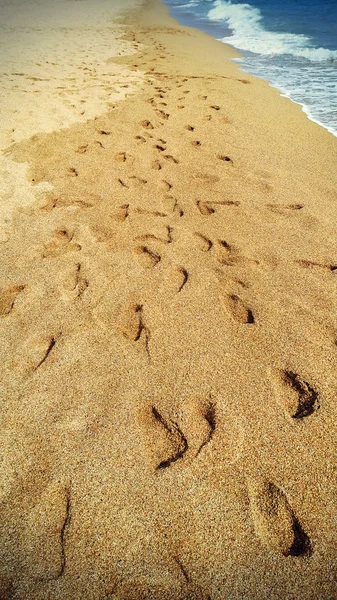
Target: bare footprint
47,525
224,158
140,139
176,279
284,209
165,185
147,124
199,420
33,354
153,213
121,213
129,321
121,157
162,114
171,158
61,243
298,398
135,181
238,309
147,257
227,254
205,208
274,520
8,297
203,243
166,443
75,281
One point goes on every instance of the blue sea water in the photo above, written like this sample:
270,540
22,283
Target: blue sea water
291,43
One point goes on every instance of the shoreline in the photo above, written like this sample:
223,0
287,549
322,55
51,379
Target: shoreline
304,107
168,316
203,25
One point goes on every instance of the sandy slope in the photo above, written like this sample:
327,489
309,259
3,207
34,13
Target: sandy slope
168,317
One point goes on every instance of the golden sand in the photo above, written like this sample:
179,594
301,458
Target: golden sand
168,321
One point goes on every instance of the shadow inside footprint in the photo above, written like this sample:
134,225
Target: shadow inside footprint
238,310
274,520
301,400
8,297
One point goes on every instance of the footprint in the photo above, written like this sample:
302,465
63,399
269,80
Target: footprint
82,149
47,525
135,181
121,213
147,257
34,354
310,264
162,114
61,243
171,158
203,243
227,203
299,400
205,208
196,143
147,124
284,209
156,165
75,281
189,128
177,209
140,138
215,107
165,185
8,297
129,321
177,279
153,213
152,237
200,421
274,520
226,254
224,158
170,443
120,157
238,310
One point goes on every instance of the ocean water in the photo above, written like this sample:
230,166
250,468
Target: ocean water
291,43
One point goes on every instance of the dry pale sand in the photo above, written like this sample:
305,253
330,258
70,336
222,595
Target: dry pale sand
168,326
54,72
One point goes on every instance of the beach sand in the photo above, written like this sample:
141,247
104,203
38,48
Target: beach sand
168,326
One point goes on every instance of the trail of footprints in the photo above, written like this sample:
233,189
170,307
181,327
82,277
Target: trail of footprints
173,440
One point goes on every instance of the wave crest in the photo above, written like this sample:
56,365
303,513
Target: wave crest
246,22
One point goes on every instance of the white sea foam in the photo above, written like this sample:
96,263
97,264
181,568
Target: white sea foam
246,23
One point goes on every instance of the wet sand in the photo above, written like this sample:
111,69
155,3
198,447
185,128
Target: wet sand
168,326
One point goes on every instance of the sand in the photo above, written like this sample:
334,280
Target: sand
54,72
168,327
